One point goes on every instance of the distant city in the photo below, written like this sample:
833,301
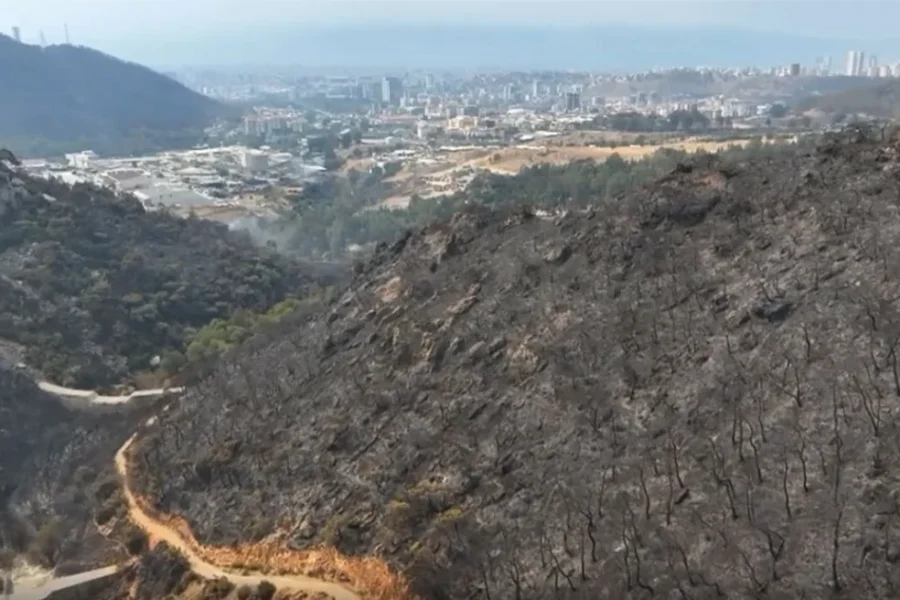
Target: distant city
442,127
458,99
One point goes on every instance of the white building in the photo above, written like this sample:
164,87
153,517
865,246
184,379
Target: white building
855,63
127,180
872,71
422,130
81,160
254,160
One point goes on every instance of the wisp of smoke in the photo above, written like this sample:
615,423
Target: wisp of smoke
264,231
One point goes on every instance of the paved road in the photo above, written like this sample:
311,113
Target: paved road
38,590
96,398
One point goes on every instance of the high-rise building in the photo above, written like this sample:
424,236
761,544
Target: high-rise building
17,34
855,63
391,91
873,66
372,91
573,101
535,89
794,70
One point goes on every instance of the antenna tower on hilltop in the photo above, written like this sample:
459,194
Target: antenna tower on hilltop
43,40
67,33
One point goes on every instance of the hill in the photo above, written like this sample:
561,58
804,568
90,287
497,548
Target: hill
69,98
881,100
56,474
93,287
692,387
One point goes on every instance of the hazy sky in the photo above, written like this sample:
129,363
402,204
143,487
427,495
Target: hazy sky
118,26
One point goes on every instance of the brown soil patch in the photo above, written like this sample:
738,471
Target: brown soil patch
308,570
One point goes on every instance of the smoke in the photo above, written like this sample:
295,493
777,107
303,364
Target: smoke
267,231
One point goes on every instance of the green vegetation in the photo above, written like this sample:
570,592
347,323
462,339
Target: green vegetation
339,213
679,120
93,288
222,334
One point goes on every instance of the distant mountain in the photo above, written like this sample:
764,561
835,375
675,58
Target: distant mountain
63,98
881,99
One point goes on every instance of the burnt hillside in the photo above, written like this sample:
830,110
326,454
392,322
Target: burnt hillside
56,473
691,391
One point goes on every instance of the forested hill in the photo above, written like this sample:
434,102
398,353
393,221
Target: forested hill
67,97
92,287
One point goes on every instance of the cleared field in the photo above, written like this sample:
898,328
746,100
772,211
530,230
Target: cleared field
457,167
511,160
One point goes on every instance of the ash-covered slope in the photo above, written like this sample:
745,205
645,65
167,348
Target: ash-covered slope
692,388
56,473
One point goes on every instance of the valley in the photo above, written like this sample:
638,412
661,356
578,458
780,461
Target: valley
305,332
655,381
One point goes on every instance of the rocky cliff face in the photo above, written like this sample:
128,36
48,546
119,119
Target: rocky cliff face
692,390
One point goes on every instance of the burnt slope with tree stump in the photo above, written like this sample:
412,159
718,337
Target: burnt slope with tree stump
93,287
691,391
57,477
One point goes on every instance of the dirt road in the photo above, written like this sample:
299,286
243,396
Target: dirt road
160,532
95,398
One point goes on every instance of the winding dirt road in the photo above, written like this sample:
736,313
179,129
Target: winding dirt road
160,532
93,397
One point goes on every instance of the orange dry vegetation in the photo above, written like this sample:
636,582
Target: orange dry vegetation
370,576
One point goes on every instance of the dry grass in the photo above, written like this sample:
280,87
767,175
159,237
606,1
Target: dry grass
370,576
511,160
